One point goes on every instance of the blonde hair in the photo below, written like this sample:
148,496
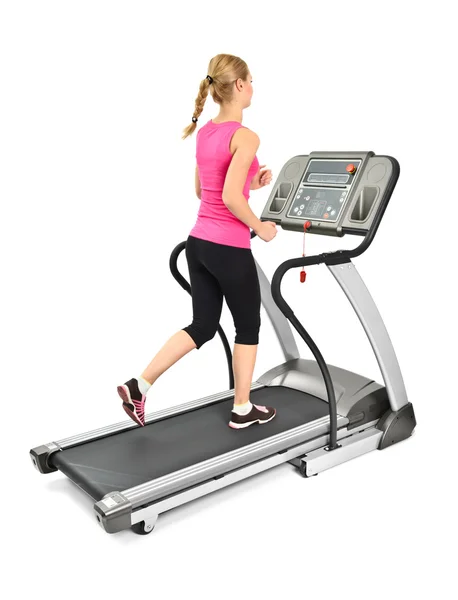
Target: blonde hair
224,69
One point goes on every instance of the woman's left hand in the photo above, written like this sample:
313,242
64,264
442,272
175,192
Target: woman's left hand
263,177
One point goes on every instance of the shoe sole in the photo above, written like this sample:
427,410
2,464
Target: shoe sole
127,405
244,425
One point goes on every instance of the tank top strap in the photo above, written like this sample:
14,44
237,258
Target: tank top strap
229,133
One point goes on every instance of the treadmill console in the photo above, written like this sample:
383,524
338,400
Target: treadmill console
337,192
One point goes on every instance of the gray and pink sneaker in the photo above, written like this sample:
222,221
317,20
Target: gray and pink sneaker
258,414
133,401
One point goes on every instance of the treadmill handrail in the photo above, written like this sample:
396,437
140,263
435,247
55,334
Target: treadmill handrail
289,314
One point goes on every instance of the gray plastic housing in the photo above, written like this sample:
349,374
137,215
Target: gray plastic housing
364,193
114,512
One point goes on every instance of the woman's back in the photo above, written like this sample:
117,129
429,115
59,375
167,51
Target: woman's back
215,222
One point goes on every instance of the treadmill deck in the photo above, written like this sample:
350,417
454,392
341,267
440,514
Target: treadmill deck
134,456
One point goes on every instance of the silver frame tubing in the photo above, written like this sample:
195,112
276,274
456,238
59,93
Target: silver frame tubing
363,304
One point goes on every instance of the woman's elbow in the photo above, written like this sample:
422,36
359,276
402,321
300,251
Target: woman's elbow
228,199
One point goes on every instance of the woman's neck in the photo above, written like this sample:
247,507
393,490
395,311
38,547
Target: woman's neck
229,115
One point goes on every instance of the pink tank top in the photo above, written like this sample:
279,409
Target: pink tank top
215,222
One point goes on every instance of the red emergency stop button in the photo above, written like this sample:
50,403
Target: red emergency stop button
351,168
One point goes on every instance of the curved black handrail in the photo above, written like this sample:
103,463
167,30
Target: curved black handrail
289,314
173,263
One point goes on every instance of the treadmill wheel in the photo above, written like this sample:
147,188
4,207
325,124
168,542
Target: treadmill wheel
140,528
303,471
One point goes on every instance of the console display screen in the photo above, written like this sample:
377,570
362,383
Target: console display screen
327,178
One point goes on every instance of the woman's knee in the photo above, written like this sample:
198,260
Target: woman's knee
248,333
201,334
247,338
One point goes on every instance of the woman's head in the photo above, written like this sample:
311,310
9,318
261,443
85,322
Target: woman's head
231,84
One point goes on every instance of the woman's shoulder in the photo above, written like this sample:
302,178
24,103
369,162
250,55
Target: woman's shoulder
244,139
244,135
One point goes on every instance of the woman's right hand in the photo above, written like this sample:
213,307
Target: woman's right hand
267,230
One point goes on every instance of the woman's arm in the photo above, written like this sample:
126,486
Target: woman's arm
246,144
198,189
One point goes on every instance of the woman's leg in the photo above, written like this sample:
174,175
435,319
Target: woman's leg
243,298
239,281
236,272
175,348
244,359
207,303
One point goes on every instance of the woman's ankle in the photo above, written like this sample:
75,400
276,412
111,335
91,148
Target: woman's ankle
242,409
143,385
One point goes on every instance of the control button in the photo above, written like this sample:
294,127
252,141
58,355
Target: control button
329,208
344,194
307,197
351,168
299,213
298,196
302,206
325,215
341,200
295,209
333,212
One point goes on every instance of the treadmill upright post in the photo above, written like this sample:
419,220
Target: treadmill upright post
364,306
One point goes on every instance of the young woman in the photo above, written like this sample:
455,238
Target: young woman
218,249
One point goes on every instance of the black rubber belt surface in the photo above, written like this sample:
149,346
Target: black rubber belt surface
132,457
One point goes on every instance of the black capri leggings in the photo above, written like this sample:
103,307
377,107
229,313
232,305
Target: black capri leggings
217,271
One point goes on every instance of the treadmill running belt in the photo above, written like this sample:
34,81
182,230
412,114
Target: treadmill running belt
134,456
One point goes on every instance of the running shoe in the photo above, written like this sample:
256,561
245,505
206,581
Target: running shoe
133,401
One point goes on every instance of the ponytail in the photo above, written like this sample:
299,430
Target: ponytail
199,107
225,69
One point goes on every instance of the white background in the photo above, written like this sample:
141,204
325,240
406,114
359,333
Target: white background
97,188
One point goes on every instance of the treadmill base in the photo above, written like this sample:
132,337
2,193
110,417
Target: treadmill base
114,512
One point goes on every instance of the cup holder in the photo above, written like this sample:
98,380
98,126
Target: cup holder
281,195
364,204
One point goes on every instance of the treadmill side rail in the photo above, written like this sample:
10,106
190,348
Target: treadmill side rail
155,489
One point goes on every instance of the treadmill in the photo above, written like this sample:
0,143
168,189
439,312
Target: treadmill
325,415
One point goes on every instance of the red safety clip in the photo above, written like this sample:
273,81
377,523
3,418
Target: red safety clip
303,274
